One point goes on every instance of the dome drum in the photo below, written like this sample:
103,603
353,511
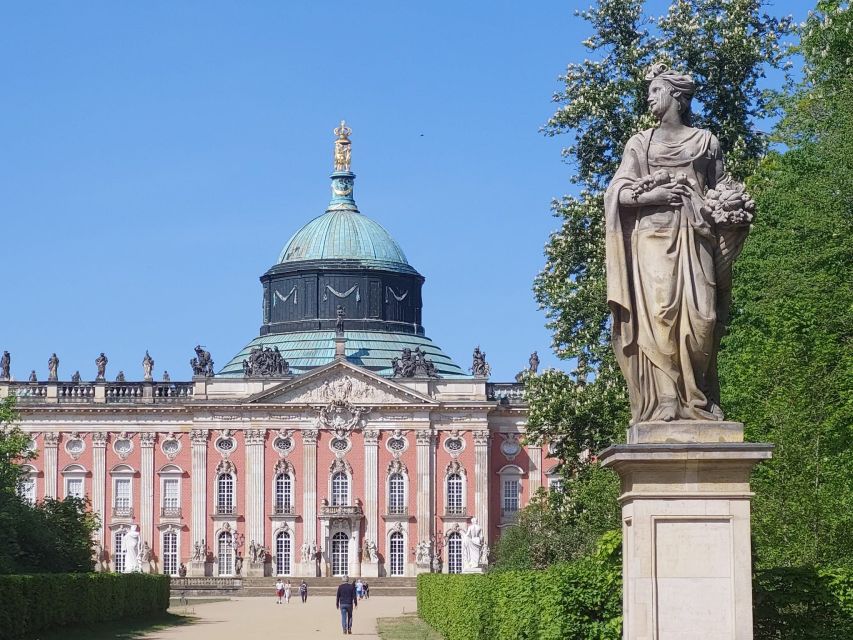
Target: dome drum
306,296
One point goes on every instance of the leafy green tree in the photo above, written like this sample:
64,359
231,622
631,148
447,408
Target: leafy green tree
13,447
787,364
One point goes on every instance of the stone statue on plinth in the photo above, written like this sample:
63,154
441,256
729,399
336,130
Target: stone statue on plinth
202,364
675,223
472,546
130,547
5,366
33,376
479,367
75,377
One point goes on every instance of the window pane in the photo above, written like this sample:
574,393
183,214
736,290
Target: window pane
510,495
170,553
340,489
454,553
74,487
454,493
171,498
121,499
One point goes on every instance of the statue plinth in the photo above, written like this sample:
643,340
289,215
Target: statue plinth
687,564
197,568
256,569
685,432
369,569
473,570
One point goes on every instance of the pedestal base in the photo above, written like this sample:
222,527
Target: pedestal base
197,569
473,570
370,569
255,569
422,568
687,566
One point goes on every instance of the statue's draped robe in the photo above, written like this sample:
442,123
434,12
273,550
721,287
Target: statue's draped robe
661,283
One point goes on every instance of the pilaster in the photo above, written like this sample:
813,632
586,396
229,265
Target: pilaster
255,485
481,479
51,446
371,483
424,440
99,480
198,531
146,487
309,483
535,469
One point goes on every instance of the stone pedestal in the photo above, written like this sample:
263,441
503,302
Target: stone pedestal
255,569
687,566
370,569
196,568
473,570
421,568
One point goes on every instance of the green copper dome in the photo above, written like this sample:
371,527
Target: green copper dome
345,234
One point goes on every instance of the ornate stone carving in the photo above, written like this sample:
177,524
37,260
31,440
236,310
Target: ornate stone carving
343,147
479,367
413,364
264,362
397,466
340,465
51,439
202,364
74,445
341,417
99,439
283,442
225,466
255,436
147,439
454,443
170,446
481,438
339,322
689,221
120,377
371,436
510,446
397,528
283,466
309,436
423,437
454,466
198,436
123,445
53,368
75,377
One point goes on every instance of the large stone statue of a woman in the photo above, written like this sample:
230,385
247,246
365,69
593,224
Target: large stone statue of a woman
130,546
674,225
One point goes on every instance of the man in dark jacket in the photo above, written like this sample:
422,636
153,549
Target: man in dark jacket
346,601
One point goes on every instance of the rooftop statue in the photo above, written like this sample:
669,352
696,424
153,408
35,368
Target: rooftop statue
147,367
5,365
265,362
202,364
479,367
120,377
53,368
75,377
339,323
101,364
413,364
33,376
534,362
675,223
343,147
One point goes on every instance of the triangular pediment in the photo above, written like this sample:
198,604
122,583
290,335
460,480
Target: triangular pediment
340,381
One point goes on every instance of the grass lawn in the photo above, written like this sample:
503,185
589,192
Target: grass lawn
408,627
118,629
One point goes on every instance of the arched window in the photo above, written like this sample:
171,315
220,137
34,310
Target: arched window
283,494
282,553
397,553
118,550
27,484
340,489
454,552
225,548
510,492
396,494
225,494
455,502
170,553
340,554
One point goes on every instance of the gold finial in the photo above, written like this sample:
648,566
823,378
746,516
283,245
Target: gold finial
342,147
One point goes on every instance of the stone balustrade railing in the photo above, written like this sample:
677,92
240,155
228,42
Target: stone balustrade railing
60,392
506,392
341,510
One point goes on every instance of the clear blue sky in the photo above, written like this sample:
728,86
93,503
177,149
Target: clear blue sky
155,157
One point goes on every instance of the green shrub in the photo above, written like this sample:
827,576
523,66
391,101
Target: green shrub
33,603
803,603
581,600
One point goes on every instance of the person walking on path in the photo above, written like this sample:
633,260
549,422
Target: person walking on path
279,591
287,592
366,589
303,591
359,588
346,601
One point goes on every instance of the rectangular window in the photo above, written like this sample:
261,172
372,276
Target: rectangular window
74,487
121,498
170,553
510,501
118,552
27,489
555,484
171,496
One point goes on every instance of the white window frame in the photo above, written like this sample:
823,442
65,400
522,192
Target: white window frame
392,560
334,498
168,474
454,552
511,475
336,537
217,501
287,494
165,554
123,480
27,486
74,472
463,482
404,493
225,562
118,551
283,562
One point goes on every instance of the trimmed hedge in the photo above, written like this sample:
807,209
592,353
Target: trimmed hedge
34,603
581,600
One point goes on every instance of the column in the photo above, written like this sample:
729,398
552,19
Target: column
309,491
423,444
146,487
198,531
255,485
481,480
99,479
371,482
535,471
51,444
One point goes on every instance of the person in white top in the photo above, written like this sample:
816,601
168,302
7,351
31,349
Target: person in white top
279,591
287,591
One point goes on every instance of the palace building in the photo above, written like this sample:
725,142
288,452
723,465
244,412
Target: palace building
340,440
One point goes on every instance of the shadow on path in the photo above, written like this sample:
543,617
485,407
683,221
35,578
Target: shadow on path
118,629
